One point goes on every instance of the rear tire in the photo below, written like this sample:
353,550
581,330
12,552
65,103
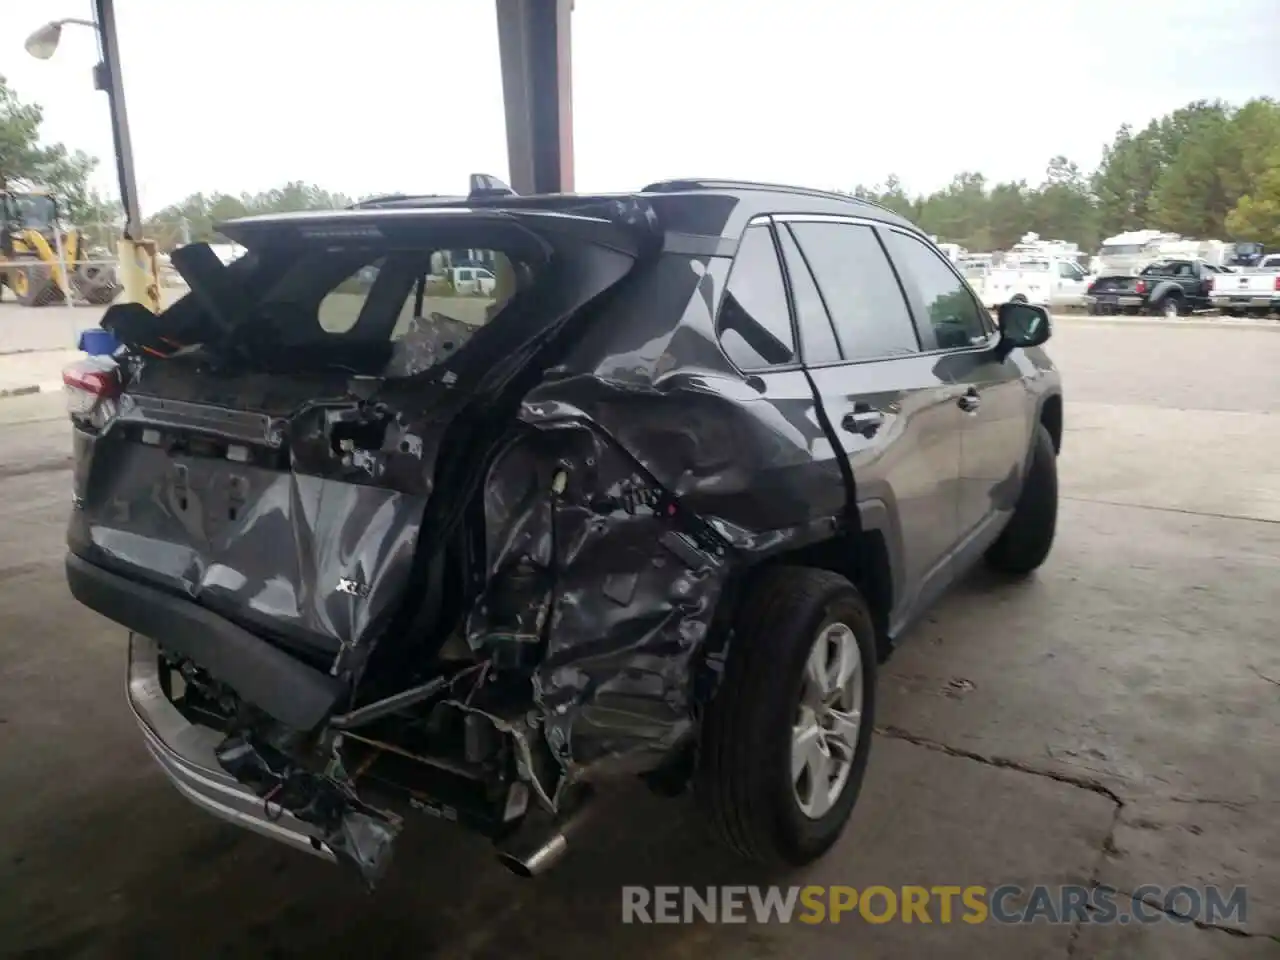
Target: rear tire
1170,308
767,718
1026,540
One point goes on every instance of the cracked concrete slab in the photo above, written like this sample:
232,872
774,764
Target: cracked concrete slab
1115,662
1201,844
1169,941
1112,666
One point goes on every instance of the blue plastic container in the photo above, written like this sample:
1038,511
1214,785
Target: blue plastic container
98,342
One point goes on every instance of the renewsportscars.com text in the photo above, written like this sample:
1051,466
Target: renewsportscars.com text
1006,904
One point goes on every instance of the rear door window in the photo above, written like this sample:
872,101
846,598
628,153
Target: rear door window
754,323
817,335
859,289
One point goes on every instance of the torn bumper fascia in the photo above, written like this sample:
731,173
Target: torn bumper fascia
194,758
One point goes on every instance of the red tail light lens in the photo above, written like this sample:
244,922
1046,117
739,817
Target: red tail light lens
92,387
1140,287
1278,282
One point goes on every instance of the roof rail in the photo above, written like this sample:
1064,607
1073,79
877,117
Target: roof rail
691,184
374,201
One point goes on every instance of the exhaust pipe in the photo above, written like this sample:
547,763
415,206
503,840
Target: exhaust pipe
538,846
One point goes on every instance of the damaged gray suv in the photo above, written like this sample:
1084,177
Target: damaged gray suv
649,491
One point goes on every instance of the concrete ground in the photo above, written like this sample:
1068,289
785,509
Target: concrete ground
1113,720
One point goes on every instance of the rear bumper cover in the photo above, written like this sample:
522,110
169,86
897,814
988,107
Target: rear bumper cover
1116,299
1249,301
185,752
297,695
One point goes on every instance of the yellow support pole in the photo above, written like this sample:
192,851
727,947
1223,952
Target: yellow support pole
138,273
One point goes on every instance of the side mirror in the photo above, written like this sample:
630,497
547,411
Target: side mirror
1021,325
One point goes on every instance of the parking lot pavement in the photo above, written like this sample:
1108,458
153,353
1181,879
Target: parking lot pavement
1114,719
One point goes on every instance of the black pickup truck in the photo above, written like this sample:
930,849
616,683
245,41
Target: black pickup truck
1168,288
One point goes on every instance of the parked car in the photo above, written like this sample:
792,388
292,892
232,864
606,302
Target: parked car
1249,290
1167,288
662,515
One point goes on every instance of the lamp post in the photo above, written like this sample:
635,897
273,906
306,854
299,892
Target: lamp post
137,256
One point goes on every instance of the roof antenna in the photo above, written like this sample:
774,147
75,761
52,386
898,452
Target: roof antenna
483,185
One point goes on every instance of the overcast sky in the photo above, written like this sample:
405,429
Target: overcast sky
384,95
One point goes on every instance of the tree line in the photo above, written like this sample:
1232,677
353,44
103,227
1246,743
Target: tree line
1206,170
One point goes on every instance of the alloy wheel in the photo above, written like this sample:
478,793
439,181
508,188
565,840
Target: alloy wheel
824,737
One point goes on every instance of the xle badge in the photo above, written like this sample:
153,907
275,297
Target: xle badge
353,588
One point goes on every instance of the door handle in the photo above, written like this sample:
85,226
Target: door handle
863,420
969,401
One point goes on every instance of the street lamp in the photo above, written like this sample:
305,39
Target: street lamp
137,256
43,42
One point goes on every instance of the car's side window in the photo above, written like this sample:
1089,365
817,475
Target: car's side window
817,335
754,323
340,308
1068,271
859,288
954,313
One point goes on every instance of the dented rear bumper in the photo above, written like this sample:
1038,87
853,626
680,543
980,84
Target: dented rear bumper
186,753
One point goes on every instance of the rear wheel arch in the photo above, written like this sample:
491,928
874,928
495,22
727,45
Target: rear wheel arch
1051,418
862,557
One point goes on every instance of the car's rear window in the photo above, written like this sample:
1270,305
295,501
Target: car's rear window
426,303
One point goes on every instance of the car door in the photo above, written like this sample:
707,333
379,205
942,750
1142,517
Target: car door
1199,284
996,415
895,417
800,481
1071,285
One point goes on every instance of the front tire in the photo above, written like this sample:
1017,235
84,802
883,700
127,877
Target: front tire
33,285
785,740
1025,542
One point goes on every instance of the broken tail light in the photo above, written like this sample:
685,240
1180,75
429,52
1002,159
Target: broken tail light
92,388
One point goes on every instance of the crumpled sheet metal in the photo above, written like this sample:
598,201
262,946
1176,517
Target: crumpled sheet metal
625,582
626,598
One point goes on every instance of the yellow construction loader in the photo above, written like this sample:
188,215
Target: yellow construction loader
34,249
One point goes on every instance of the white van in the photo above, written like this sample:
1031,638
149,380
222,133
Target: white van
473,280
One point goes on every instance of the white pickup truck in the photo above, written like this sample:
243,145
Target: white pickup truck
1251,290
1050,282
